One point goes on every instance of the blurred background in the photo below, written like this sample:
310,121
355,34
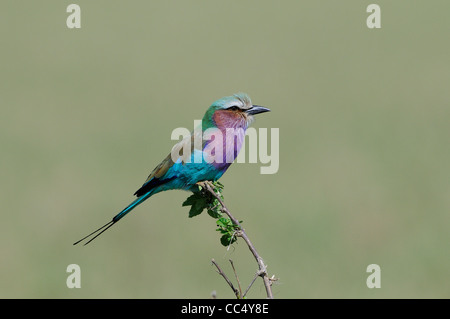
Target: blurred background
363,114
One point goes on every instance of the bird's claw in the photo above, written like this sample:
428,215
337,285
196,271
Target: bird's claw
205,184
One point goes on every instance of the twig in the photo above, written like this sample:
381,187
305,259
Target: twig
236,292
241,233
236,276
251,284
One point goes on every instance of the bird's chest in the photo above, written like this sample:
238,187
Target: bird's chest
222,145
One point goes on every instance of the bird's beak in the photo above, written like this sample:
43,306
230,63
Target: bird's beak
256,109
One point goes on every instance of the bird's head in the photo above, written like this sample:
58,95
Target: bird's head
233,111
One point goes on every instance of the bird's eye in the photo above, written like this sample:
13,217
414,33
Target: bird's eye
234,108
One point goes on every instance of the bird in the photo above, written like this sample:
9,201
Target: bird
191,162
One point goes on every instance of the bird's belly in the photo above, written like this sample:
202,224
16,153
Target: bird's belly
184,175
196,172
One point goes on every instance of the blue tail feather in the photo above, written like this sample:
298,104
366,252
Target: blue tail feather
130,207
116,218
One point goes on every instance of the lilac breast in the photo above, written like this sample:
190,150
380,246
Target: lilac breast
228,137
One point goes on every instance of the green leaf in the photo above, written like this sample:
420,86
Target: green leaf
227,239
197,202
201,200
222,222
190,200
224,240
214,213
197,208
219,184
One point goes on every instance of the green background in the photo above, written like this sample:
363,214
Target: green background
364,172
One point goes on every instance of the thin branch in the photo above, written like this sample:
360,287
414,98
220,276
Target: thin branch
236,276
251,284
241,233
236,292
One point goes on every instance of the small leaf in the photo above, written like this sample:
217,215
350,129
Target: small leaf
219,184
191,200
197,202
188,202
196,208
222,222
227,239
214,213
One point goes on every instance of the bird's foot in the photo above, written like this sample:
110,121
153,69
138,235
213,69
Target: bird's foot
205,184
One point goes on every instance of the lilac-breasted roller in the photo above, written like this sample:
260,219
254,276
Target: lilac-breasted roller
221,136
